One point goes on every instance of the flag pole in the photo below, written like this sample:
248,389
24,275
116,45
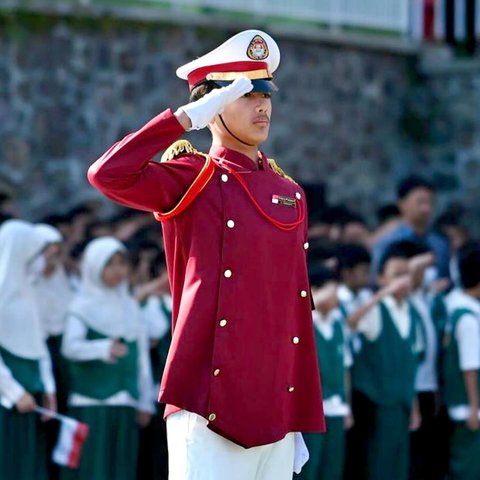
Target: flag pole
51,413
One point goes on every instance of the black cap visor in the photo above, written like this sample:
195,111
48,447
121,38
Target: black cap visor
259,86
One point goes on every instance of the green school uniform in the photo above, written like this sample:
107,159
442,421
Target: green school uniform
384,371
327,451
110,451
465,444
153,452
23,453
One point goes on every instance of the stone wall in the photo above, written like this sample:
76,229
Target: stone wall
353,117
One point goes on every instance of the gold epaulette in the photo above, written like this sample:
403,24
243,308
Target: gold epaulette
180,147
279,171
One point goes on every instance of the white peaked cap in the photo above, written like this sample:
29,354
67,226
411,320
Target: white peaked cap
252,53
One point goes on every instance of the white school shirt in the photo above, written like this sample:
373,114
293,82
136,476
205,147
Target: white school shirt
467,335
426,379
75,347
333,406
370,324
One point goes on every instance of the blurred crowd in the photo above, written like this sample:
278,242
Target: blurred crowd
396,317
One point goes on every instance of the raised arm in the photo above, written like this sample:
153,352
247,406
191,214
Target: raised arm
126,173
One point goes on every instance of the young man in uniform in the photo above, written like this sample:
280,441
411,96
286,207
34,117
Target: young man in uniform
241,377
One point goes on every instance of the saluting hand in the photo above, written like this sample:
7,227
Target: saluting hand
202,112
399,286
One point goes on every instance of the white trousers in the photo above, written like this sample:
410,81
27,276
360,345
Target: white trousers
197,453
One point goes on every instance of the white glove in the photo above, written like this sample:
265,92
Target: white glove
202,111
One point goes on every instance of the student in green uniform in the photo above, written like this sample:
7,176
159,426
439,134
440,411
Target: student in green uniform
384,370
354,268
156,301
26,377
53,295
327,451
110,377
461,367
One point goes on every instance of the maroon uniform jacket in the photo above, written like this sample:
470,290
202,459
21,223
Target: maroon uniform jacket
243,350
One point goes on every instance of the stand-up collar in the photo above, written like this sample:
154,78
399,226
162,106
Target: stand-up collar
238,159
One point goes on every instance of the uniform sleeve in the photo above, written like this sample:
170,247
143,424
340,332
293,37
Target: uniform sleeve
75,345
10,389
468,337
46,373
126,173
370,325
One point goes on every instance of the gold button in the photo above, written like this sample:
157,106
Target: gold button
306,245
295,340
216,372
303,293
230,224
227,273
223,323
224,178
298,196
291,388
212,417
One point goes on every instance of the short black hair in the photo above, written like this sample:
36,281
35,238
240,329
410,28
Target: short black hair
352,254
321,250
387,212
411,183
469,265
201,90
320,275
402,249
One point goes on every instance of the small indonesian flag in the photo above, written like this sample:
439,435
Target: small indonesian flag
71,438
70,441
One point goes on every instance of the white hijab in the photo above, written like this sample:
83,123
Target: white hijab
53,293
20,328
110,311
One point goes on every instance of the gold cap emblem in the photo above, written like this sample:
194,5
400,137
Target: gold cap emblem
258,49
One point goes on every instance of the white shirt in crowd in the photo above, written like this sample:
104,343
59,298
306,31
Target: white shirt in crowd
333,406
467,334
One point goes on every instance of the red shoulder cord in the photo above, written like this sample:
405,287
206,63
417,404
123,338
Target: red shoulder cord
273,221
200,182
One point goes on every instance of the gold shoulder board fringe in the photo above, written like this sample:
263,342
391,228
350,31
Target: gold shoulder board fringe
180,147
279,171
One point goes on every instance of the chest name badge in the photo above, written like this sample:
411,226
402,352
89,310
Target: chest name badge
284,201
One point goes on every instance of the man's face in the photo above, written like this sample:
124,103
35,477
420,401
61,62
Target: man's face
248,117
417,207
